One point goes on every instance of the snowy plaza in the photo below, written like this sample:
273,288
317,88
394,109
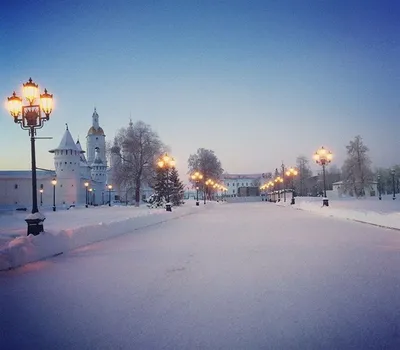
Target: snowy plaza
222,276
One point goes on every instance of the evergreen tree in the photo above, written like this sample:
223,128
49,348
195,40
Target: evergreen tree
160,188
176,188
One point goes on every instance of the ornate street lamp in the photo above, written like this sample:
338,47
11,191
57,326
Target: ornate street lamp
323,157
109,194
54,183
291,173
196,177
30,118
393,172
41,197
166,162
379,187
87,195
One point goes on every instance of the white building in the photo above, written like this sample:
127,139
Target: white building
240,184
72,171
370,190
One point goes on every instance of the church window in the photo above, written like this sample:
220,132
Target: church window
66,163
16,186
70,162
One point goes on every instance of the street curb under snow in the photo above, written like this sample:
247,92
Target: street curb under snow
362,217
27,249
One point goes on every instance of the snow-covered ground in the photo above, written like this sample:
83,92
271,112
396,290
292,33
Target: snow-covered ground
69,229
368,210
238,276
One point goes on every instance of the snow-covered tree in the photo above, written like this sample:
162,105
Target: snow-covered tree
206,162
304,173
356,170
176,188
137,148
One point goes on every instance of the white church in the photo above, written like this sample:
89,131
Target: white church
72,172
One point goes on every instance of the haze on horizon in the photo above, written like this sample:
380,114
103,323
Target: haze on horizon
258,82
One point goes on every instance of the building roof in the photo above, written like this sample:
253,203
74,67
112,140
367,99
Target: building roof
97,160
82,156
26,174
67,143
240,176
367,183
94,131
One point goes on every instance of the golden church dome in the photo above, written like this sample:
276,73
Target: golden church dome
98,131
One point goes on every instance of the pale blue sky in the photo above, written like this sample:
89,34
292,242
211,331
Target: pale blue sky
256,81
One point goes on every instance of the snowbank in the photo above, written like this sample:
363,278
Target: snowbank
385,213
91,225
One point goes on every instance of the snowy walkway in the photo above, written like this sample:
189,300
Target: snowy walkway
241,276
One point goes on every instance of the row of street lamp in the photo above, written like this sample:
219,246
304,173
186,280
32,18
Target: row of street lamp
198,177
322,157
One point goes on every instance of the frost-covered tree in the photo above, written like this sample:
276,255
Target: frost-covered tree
206,162
356,170
304,173
136,149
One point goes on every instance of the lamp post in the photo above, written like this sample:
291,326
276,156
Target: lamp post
30,118
278,181
109,194
196,177
87,195
379,187
209,182
90,200
323,157
291,173
41,197
393,172
166,162
54,183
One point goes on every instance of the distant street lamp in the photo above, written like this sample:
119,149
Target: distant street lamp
291,173
87,195
41,196
90,196
109,194
278,181
323,157
393,172
196,177
166,162
30,118
54,183
209,182
379,187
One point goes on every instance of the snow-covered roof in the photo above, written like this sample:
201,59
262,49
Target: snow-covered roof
26,174
240,176
82,156
367,183
67,143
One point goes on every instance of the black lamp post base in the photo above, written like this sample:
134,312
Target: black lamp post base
168,207
54,208
293,201
197,204
325,202
35,226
